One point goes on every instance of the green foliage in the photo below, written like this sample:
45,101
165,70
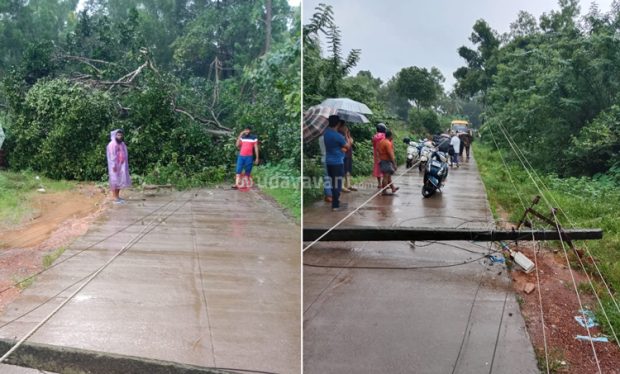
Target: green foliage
312,181
59,131
22,22
396,105
363,158
283,183
328,77
323,76
276,90
419,85
481,65
552,86
49,258
191,70
600,141
589,202
424,121
222,32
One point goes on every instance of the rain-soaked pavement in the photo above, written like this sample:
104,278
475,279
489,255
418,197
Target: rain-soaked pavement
215,284
459,319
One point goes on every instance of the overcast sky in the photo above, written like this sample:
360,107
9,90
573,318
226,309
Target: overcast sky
81,3
393,34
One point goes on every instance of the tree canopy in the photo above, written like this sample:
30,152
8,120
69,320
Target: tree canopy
181,77
553,85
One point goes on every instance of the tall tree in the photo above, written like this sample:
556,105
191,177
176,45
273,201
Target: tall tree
419,85
481,66
268,21
323,75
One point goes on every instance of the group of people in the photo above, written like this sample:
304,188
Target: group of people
453,144
118,161
336,146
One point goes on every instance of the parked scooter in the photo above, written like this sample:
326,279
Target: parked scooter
435,173
426,150
412,152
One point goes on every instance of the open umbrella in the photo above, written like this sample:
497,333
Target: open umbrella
352,116
347,104
316,120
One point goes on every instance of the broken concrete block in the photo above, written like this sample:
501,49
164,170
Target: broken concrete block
528,288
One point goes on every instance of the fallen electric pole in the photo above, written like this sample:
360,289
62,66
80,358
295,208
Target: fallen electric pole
374,233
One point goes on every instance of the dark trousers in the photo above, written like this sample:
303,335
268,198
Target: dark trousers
336,172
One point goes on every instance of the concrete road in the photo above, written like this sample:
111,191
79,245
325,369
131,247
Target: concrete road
11,369
216,284
452,319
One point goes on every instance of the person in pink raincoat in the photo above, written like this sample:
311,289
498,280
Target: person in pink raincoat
118,165
376,139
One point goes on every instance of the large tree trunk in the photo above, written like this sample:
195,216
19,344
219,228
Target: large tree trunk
268,16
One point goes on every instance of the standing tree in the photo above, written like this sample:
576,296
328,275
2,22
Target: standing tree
419,85
323,76
481,66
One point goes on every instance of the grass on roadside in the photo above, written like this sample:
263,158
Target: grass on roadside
48,260
589,202
282,183
23,283
51,257
17,190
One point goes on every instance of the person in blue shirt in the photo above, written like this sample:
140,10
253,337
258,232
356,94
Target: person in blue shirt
335,147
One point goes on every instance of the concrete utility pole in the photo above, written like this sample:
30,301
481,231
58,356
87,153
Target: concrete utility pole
374,233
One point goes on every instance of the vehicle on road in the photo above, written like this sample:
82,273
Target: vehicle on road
460,126
435,173
425,149
413,153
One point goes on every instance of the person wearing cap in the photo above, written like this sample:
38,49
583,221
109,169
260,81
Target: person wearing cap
248,149
335,147
118,165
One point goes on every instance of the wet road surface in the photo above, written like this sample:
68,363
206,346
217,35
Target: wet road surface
216,284
453,319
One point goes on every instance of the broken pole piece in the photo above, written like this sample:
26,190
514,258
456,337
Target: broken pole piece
374,233
528,288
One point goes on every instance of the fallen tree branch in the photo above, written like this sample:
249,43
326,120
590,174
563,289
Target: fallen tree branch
88,61
80,58
127,80
129,77
223,129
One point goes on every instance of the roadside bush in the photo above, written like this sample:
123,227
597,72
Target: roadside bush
65,127
424,121
58,129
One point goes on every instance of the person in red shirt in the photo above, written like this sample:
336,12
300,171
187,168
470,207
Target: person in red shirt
387,162
248,148
376,139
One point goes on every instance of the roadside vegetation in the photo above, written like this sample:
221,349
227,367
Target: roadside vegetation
282,183
17,190
327,74
589,202
181,79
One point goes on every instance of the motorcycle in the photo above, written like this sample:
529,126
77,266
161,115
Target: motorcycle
412,152
435,173
425,148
